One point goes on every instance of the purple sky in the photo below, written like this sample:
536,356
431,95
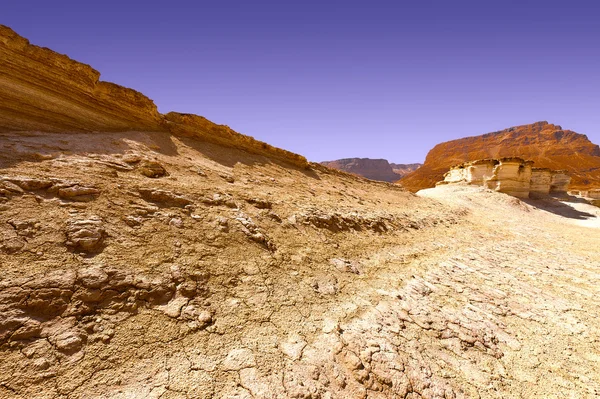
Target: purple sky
338,79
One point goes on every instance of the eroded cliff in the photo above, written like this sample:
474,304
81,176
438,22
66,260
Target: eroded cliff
514,176
548,145
41,90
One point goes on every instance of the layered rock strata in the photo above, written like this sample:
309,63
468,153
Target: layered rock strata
548,145
513,176
540,181
560,181
44,90
41,90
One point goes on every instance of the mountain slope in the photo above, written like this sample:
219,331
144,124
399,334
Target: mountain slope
374,169
548,145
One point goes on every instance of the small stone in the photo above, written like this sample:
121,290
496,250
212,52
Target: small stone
329,326
152,169
200,172
176,222
93,277
41,363
68,342
79,193
131,158
87,235
187,288
205,318
13,244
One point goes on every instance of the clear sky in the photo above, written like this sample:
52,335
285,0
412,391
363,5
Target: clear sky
338,79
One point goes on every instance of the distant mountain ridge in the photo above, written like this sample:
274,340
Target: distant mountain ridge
374,169
546,144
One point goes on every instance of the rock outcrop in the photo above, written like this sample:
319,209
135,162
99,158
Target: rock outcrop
41,90
200,128
540,181
560,181
513,176
374,169
548,145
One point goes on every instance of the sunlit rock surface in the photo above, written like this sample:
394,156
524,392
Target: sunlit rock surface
541,179
548,145
506,175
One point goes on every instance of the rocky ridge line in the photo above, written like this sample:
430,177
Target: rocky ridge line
42,90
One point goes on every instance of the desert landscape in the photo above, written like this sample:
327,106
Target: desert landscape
149,255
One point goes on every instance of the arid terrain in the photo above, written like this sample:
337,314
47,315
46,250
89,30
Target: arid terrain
548,145
374,169
180,259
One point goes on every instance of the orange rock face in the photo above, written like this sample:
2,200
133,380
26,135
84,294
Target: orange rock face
548,145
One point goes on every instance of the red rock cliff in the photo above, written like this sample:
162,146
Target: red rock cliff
548,145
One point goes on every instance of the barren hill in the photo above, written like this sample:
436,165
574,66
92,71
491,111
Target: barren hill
374,169
189,261
550,146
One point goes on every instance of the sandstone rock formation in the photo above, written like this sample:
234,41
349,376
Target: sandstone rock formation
513,176
41,90
47,91
560,181
548,145
540,181
176,264
374,169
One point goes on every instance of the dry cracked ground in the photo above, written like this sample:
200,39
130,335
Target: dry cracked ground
141,265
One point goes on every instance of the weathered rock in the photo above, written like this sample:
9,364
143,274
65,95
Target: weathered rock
79,193
238,359
513,176
548,145
345,265
540,181
255,233
560,181
29,183
507,175
164,197
87,234
152,169
45,91
218,199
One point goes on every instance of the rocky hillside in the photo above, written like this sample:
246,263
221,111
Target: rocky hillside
189,261
548,145
374,169
402,169
45,91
